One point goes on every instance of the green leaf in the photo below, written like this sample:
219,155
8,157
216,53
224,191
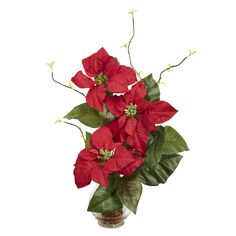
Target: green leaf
105,115
146,176
87,139
170,67
191,53
50,65
161,172
105,199
161,156
58,121
70,85
155,147
166,167
152,88
129,191
124,46
174,142
89,116
132,12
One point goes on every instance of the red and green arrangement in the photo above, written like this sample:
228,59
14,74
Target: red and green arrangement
130,146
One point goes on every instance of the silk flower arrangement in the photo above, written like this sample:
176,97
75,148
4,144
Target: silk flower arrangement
130,146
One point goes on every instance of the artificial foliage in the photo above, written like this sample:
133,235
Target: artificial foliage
130,145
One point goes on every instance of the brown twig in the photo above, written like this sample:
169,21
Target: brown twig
52,75
172,66
82,135
130,41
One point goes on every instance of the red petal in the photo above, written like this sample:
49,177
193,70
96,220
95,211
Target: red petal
114,165
139,138
111,67
119,135
101,138
82,81
137,92
128,73
82,177
142,104
122,152
82,172
114,145
123,135
111,165
128,170
92,65
115,105
113,126
103,56
96,96
119,161
95,63
160,112
117,84
88,154
85,163
121,121
130,126
147,121
99,175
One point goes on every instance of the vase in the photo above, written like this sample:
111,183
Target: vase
112,219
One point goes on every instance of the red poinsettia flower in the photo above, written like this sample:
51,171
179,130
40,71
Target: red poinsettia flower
136,116
102,158
108,75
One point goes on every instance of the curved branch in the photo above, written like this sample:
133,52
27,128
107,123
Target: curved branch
172,66
82,135
52,75
130,41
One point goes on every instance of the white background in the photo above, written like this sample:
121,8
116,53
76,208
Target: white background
37,191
